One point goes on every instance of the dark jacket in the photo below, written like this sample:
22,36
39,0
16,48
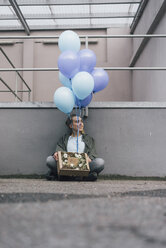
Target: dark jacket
89,145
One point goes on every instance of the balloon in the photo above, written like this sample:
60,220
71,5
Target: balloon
101,79
64,80
64,99
69,63
82,84
85,102
87,60
69,40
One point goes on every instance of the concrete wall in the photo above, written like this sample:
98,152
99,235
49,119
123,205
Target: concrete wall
150,85
38,53
131,137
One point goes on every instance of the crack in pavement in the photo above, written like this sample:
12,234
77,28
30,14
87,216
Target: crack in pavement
44,197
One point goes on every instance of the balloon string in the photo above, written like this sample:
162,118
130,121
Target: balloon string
77,114
80,110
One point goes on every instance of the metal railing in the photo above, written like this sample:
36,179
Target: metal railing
86,37
105,68
89,36
16,81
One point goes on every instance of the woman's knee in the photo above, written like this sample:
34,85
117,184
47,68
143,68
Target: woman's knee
50,162
98,165
100,162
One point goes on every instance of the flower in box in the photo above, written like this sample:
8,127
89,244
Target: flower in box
65,155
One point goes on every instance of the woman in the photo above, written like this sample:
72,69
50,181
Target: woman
72,143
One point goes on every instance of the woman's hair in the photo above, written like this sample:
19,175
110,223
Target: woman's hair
70,120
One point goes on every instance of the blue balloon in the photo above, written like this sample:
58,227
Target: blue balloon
101,79
69,40
64,80
64,99
85,102
82,84
69,63
87,60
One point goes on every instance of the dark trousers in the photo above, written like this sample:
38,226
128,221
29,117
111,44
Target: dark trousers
96,165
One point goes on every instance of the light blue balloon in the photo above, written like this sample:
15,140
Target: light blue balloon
64,99
64,80
69,40
82,84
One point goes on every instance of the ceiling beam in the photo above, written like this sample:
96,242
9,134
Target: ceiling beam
151,30
20,16
64,27
67,2
70,16
138,15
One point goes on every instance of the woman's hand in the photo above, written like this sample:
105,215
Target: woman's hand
55,156
89,160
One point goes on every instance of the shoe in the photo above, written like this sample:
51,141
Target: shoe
66,178
50,176
91,177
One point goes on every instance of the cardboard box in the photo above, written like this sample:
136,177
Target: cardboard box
73,164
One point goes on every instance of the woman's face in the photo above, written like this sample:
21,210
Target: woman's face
77,123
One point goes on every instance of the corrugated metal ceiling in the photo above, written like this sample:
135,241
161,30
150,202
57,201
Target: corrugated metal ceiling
48,14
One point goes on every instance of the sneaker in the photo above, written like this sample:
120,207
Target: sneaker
91,177
50,176
66,178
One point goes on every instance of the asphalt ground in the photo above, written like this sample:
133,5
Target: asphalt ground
105,214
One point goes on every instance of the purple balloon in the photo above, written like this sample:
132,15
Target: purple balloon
69,63
101,79
87,60
83,103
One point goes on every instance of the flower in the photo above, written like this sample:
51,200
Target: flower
71,165
79,156
76,155
66,161
80,165
65,155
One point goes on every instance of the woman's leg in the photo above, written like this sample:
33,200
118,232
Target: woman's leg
52,165
97,165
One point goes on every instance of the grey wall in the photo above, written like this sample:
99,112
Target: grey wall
40,53
150,85
131,137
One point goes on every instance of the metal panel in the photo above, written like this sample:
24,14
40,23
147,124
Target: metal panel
10,24
35,10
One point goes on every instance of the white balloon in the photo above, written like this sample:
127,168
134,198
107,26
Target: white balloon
82,84
69,40
64,99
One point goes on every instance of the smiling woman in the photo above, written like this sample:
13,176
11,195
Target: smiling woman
76,142
74,123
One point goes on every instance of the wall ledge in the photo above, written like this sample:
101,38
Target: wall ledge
93,105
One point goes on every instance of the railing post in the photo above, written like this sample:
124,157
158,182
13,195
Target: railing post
16,86
86,42
29,96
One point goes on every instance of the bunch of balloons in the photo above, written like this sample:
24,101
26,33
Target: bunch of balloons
77,74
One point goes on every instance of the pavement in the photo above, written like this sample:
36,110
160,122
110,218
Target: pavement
103,214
